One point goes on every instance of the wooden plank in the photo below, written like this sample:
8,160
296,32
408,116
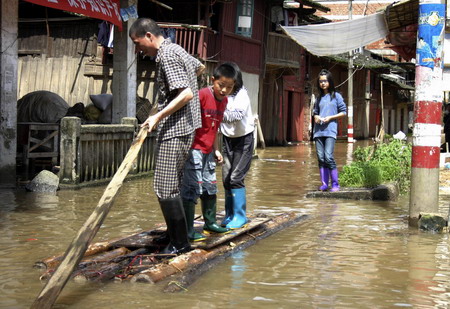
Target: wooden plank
63,82
49,72
33,70
214,240
56,78
26,76
70,79
83,82
139,240
19,76
40,73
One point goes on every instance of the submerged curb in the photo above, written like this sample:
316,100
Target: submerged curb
385,192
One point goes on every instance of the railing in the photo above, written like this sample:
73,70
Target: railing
91,153
37,141
191,37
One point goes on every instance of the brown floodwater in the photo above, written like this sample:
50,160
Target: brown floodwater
346,254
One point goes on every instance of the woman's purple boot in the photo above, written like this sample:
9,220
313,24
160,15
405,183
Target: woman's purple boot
334,180
325,177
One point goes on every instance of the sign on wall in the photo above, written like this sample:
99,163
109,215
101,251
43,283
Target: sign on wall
108,10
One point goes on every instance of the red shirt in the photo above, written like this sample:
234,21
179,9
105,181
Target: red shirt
212,115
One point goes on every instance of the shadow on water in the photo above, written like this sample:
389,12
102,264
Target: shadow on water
347,254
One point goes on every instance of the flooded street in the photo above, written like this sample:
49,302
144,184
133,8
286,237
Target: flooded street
346,254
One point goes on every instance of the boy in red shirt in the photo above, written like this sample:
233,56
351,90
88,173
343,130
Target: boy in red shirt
199,179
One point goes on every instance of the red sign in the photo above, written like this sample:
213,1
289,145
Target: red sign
108,10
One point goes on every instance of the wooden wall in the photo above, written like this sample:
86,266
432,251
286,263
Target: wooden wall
63,76
74,78
58,38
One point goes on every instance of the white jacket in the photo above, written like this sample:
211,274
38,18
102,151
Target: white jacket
238,118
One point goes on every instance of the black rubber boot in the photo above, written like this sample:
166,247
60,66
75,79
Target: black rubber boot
189,210
209,207
172,209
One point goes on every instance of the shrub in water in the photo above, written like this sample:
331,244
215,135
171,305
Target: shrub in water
374,165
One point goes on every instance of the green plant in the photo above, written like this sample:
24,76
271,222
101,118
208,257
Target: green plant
388,162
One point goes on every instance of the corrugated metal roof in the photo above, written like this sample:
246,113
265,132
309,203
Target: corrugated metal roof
309,3
365,61
397,80
315,5
402,14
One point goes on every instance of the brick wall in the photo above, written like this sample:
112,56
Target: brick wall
341,9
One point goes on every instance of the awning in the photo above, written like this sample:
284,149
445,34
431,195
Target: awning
340,37
396,80
108,10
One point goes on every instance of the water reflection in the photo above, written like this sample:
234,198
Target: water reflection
347,254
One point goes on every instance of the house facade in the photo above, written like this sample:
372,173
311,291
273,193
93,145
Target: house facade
243,31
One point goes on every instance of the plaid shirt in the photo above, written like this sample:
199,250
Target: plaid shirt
177,69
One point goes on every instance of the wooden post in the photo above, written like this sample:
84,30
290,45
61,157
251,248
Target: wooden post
381,133
124,83
69,144
260,133
366,111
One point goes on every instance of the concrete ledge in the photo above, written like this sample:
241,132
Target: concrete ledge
385,192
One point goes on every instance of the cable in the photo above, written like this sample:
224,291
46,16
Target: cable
351,76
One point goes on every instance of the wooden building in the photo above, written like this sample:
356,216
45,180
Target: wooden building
60,53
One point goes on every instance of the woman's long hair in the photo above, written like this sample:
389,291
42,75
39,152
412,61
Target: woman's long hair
331,89
239,83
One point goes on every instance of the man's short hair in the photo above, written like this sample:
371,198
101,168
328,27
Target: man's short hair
143,25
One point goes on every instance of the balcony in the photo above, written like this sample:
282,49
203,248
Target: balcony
282,51
198,41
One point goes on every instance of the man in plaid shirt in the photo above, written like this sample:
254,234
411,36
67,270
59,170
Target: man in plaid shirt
177,119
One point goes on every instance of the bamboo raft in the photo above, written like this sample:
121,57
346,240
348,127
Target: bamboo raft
136,258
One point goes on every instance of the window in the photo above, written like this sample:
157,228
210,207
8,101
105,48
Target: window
244,18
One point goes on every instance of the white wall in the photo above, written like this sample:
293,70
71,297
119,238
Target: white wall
447,49
446,75
251,82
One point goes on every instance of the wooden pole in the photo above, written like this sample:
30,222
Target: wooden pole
76,249
162,4
260,133
381,133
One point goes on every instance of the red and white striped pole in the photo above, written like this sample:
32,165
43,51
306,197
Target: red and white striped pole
350,85
424,192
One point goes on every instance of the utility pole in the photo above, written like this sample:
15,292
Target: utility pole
424,191
350,85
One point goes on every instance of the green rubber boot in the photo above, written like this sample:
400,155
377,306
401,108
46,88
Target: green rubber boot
209,206
189,210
